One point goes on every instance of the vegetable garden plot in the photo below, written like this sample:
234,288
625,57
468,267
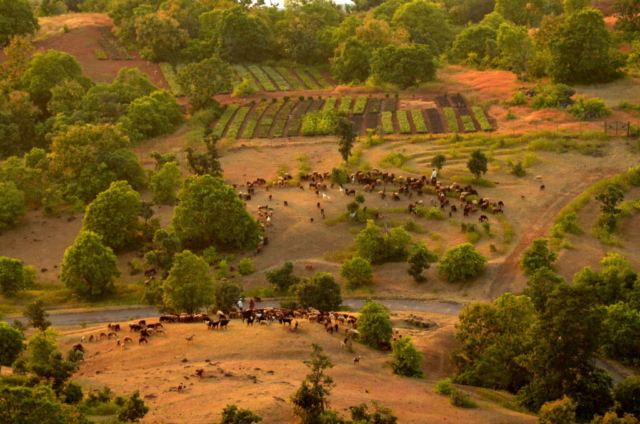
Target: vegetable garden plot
306,79
170,76
443,101
403,122
319,78
262,77
452,120
235,125
277,78
244,73
268,117
250,128
418,121
482,119
390,104
387,122
361,105
315,105
375,104
345,105
100,54
112,46
468,124
293,81
283,116
357,123
296,121
330,103
435,123
218,129
372,120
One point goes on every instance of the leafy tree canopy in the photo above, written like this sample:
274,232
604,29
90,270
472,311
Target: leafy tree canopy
405,66
12,205
321,292
374,325
16,18
189,285
10,344
461,263
537,255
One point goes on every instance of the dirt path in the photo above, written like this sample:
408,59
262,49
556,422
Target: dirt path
509,273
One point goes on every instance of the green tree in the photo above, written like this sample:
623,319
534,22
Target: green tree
494,337
10,344
356,272
164,247
12,205
381,415
154,115
614,282
579,50
312,397
16,57
37,315
207,162
427,23
351,62
133,409
627,395
189,285
89,267
203,80
477,163
479,40
16,18
461,263
344,129
406,358
321,292
609,211
516,47
540,285
211,213
560,411
227,294
621,329
46,70
420,258
374,325
121,230
537,255
66,97
46,361
160,37
566,337
39,404
282,278
14,276
164,183
21,127
370,243
627,13
438,161
231,414
245,266
405,66
521,12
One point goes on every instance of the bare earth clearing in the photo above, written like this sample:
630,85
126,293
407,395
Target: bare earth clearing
259,367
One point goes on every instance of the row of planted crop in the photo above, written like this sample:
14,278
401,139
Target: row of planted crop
170,76
283,79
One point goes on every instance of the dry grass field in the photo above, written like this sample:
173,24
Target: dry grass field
259,367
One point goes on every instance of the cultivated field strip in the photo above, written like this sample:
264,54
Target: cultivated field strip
272,79
262,77
283,118
278,79
292,80
170,76
306,79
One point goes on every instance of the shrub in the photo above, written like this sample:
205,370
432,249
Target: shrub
356,272
627,394
374,325
210,255
406,358
518,99
339,176
444,387
518,169
133,409
12,205
589,109
461,263
461,400
245,266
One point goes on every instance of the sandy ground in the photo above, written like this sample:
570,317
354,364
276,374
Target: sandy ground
259,367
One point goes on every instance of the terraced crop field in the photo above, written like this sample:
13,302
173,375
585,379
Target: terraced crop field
272,79
279,118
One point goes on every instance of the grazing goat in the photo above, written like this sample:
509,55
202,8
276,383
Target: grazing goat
102,334
92,338
200,372
127,340
158,332
82,339
78,347
343,344
223,323
542,187
112,333
189,339
142,340
356,360
537,178
308,267
181,387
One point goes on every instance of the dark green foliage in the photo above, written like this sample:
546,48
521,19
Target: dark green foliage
406,358
478,40
16,18
465,11
493,339
627,394
211,213
615,281
382,415
39,404
189,285
356,272
420,258
444,387
427,24
628,14
282,278
621,329
134,409
207,162
154,115
537,255
339,176
477,163
89,267
321,292
518,169
540,285
461,263
438,161
374,325
72,392
203,80
609,211
46,361
10,344
405,66
351,63
231,414
227,294
344,129
165,246
37,315
311,399
521,12
378,248
461,399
